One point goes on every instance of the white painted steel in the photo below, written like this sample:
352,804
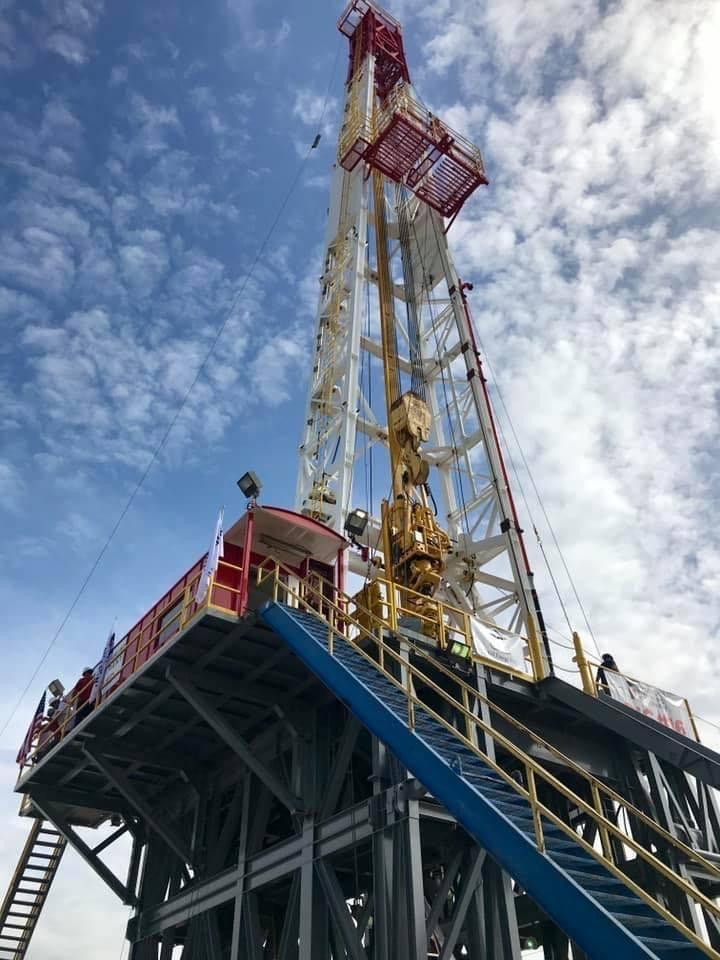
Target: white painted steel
486,573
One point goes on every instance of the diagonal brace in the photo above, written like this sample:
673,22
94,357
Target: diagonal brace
470,882
340,912
143,807
225,731
53,814
341,766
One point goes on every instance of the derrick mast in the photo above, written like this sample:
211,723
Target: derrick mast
300,774
394,325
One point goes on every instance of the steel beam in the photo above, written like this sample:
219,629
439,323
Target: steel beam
205,708
113,747
441,896
340,766
88,800
471,879
344,831
52,813
108,841
241,862
288,947
340,912
141,805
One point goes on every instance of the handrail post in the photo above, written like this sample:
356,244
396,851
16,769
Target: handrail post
692,720
411,703
536,654
583,666
602,829
537,821
331,631
466,708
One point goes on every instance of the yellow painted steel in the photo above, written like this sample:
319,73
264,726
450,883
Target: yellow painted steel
583,666
391,371
368,643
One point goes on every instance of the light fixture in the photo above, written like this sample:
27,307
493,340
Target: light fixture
355,523
56,688
250,485
458,649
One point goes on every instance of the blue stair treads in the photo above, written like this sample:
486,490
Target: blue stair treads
595,909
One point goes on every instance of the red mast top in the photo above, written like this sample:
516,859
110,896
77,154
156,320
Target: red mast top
379,34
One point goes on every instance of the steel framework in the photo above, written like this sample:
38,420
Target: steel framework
265,821
489,573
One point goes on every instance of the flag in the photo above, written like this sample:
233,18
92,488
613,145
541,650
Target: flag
101,669
217,550
32,730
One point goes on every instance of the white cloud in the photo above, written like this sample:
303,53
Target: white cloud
252,35
597,297
275,367
312,109
37,261
144,262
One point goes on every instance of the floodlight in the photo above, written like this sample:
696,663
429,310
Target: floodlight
250,485
458,649
355,523
56,688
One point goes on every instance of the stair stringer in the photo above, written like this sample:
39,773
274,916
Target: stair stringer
582,918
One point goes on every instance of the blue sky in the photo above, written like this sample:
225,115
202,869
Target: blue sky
145,151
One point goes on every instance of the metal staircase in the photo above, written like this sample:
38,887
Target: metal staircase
28,889
593,885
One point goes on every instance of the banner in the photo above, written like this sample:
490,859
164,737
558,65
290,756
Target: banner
216,551
101,669
661,706
497,645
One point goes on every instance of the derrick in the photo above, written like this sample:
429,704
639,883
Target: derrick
305,770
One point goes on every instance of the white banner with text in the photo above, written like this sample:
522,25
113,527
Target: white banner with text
666,708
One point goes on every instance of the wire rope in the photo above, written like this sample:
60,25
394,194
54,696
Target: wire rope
459,481
538,496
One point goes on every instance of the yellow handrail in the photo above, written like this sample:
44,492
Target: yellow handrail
186,601
461,628
533,768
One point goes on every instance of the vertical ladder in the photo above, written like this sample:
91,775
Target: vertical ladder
28,889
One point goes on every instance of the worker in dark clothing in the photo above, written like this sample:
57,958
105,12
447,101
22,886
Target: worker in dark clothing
608,663
80,695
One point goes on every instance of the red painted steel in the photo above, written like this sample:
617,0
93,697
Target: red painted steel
431,160
402,139
371,30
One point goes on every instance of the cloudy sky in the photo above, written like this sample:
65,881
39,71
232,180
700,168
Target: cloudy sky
146,149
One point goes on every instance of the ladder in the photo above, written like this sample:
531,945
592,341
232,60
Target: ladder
28,889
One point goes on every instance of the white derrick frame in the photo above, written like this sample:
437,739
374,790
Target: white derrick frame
463,446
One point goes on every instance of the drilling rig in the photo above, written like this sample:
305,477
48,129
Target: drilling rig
389,279
341,737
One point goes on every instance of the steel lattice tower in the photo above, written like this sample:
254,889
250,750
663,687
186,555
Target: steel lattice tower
304,777
385,130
